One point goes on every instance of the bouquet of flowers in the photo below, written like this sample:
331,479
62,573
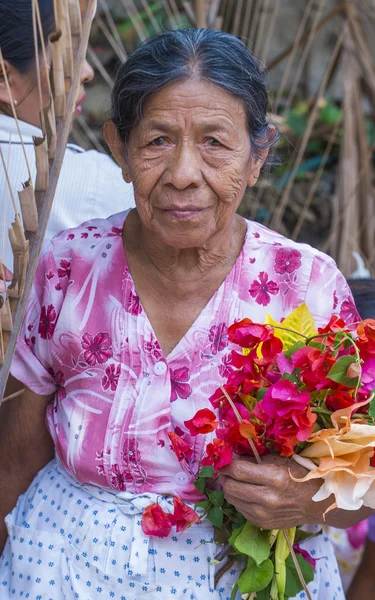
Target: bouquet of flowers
300,393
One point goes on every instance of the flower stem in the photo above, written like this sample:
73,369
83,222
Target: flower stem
296,564
240,420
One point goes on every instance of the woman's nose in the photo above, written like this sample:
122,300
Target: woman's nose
87,73
184,168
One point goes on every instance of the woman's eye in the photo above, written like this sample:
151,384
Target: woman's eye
159,141
214,142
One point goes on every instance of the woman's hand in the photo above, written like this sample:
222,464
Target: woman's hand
268,497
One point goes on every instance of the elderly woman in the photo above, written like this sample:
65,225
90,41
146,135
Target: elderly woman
125,337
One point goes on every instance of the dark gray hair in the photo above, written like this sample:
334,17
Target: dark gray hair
217,57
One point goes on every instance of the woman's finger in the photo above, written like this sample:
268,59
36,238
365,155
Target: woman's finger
265,475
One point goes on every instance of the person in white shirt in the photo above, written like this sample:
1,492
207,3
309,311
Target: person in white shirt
90,183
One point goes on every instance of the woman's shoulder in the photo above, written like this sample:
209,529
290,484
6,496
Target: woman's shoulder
93,232
260,237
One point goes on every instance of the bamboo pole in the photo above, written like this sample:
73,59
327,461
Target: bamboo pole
54,176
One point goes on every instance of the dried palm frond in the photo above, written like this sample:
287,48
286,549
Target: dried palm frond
68,47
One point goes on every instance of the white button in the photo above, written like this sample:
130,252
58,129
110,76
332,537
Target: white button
182,478
160,368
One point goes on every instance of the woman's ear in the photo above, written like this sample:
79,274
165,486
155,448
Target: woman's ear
257,163
117,148
4,95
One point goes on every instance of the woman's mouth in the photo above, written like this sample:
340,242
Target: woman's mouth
78,108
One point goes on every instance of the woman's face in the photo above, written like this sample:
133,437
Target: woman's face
24,88
190,162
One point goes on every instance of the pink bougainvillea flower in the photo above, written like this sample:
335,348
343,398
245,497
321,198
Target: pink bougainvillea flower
218,399
64,269
357,534
308,558
98,349
261,290
287,261
156,522
181,449
183,515
219,454
247,334
204,421
111,377
218,337
180,387
47,322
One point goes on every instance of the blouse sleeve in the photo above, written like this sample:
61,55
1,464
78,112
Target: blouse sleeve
32,362
328,293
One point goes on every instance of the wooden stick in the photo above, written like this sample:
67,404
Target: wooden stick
15,395
200,13
54,175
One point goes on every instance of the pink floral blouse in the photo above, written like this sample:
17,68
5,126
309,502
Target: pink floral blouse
87,339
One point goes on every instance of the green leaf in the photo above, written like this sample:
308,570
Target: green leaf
234,592
215,516
235,533
260,393
265,593
371,409
293,584
318,345
255,577
216,497
206,472
253,542
330,114
205,504
200,484
289,353
339,370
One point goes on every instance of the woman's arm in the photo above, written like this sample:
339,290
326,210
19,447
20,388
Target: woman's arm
268,497
25,447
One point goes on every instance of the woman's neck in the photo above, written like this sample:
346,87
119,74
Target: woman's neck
193,264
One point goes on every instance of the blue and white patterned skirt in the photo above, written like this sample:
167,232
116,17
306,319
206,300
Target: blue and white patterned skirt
71,541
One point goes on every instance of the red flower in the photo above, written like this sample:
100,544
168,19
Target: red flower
218,400
179,386
247,334
204,421
261,290
219,454
287,415
218,337
349,312
366,339
183,515
287,261
97,349
314,365
339,399
134,306
111,377
64,269
47,322
181,449
156,522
